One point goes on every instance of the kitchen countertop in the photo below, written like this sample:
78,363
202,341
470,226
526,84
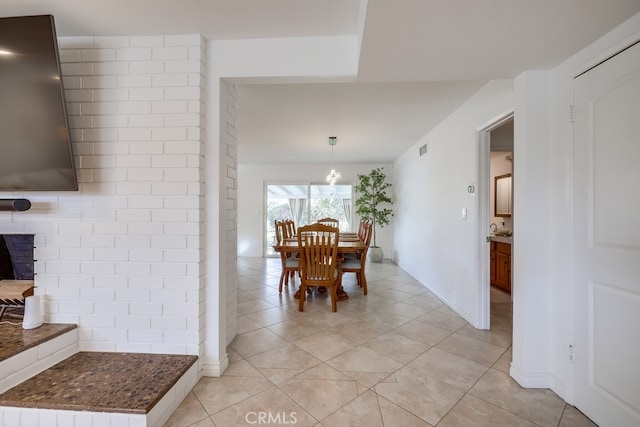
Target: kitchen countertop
502,239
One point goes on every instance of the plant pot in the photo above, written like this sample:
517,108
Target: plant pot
375,254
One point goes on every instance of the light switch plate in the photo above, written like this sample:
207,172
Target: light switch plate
464,213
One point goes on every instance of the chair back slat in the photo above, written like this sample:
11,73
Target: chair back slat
290,227
362,229
366,239
367,232
289,264
285,229
278,227
329,221
318,245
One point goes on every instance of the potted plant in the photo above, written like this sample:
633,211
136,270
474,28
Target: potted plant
372,196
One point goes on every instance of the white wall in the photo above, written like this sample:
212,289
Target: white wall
251,181
229,209
335,56
122,257
543,240
432,241
560,161
532,244
221,214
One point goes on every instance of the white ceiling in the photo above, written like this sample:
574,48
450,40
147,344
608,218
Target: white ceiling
215,19
420,59
374,122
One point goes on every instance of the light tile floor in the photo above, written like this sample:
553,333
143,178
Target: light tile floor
396,357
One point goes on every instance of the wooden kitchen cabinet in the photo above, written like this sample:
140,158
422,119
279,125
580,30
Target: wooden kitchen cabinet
500,266
492,268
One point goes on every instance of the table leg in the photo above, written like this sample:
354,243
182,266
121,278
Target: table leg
342,295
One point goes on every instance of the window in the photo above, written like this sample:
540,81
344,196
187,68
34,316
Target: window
333,201
305,204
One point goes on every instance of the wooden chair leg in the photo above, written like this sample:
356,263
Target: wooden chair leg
303,294
334,298
282,277
362,281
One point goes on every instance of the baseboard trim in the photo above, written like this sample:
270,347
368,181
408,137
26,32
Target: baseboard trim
532,380
214,369
448,303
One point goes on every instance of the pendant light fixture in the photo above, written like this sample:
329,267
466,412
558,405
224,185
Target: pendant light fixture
334,176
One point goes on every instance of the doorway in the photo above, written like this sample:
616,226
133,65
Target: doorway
496,154
501,227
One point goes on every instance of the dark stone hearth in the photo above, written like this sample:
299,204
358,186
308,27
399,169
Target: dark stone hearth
102,382
14,339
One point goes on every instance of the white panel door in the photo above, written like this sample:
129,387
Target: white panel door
607,241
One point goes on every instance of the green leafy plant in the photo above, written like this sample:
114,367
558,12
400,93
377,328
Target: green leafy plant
372,198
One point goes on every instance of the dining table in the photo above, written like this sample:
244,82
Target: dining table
348,243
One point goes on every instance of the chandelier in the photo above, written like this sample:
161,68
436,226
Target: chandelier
334,176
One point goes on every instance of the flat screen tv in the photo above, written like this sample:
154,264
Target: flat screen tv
35,145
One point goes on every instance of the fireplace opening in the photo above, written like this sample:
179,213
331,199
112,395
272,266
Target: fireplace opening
17,271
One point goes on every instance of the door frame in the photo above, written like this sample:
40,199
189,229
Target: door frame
483,139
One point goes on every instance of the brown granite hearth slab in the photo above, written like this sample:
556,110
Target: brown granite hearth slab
101,382
14,339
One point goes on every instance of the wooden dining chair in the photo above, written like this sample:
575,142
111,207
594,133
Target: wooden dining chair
290,263
319,264
290,233
332,222
362,230
290,228
357,264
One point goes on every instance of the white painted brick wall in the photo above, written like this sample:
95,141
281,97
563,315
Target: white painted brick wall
117,257
228,121
28,417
